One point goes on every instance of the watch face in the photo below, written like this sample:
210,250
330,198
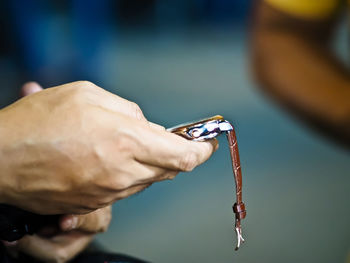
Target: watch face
193,124
200,130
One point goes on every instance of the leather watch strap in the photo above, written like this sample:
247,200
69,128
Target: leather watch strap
238,207
207,129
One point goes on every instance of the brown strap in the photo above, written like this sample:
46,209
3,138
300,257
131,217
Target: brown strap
238,207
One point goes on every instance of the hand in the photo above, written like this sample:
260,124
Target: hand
76,233
75,148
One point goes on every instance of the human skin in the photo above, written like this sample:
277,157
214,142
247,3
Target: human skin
75,148
295,64
76,232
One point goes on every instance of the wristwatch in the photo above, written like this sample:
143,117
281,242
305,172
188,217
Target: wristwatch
210,128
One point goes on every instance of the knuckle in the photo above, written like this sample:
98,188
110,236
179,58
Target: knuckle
80,89
85,84
188,162
136,111
76,95
125,143
75,88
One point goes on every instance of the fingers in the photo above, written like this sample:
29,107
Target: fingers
122,105
94,222
141,174
158,147
60,248
170,151
30,88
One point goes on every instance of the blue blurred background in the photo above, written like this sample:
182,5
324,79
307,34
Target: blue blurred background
183,60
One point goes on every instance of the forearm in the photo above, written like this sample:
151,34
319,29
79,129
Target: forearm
306,79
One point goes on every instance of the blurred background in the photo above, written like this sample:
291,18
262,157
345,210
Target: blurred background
180,61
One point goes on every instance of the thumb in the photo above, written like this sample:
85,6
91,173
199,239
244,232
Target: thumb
30,88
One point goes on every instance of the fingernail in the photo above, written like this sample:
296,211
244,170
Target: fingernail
74,222
67,224
30,88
